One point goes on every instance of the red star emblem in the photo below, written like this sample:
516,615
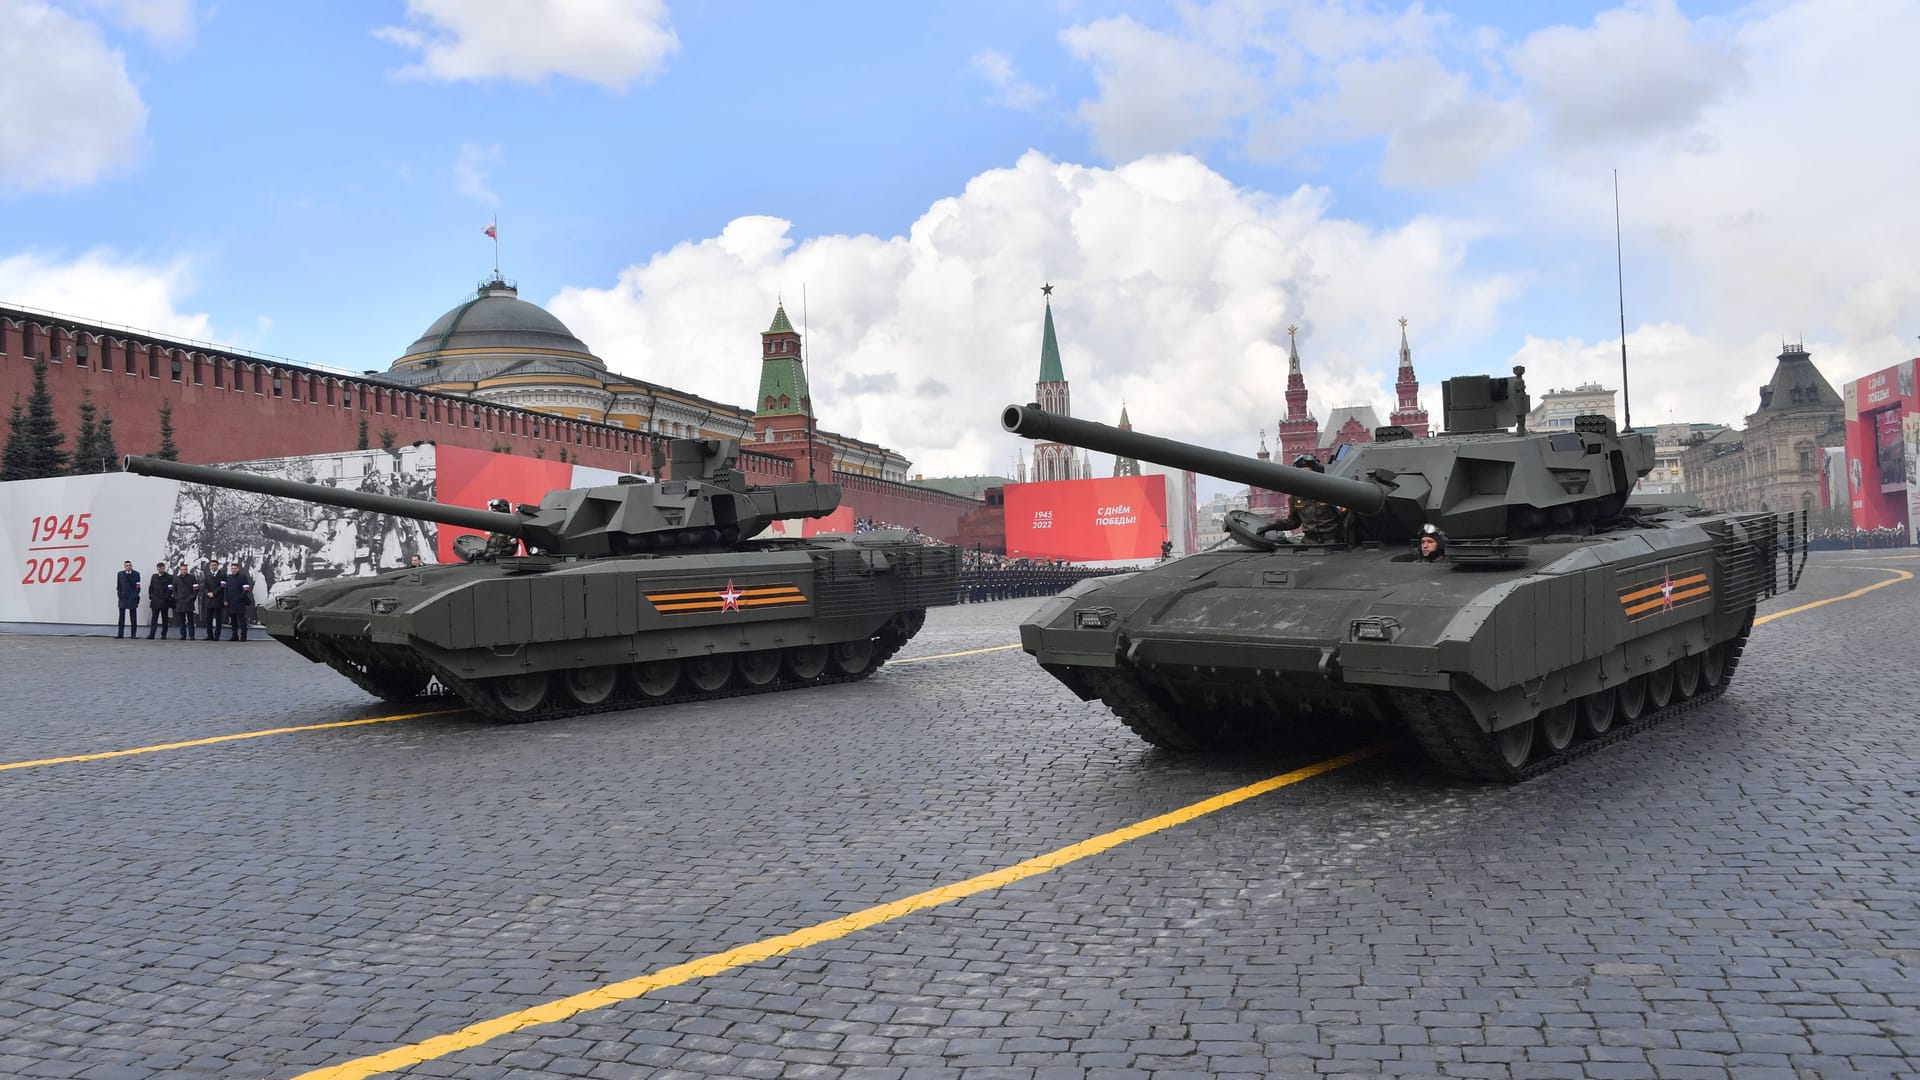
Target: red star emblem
730,598
1666,594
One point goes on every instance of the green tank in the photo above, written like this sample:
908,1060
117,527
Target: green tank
629,595
1560,615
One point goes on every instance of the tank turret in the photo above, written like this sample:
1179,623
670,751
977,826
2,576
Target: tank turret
1477,480
707,505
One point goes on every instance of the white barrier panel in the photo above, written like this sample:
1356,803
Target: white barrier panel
62,541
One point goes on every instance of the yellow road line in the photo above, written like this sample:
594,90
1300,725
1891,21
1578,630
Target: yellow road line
740,956
951,655
1905,575
156,748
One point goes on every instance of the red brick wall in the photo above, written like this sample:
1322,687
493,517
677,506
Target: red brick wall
225,409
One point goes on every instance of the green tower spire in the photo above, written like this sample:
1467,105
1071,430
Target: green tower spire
783,381
1050,349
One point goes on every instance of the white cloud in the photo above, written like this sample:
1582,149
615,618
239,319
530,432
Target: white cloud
165,21
1158,92
1010,89
69,114
608,42
1166,276
470,172
1638,70
101,284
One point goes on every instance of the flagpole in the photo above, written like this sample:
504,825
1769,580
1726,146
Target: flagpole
496,245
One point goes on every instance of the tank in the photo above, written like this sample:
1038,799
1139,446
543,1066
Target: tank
628,595
1560,616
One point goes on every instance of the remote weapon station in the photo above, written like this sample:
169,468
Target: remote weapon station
1547,616
632,594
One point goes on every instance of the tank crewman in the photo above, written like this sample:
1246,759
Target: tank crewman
1319,522
1433,544
239,590
126,589
186,598
213,599
501,544
159,601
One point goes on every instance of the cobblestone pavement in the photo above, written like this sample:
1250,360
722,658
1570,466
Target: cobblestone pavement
1734,893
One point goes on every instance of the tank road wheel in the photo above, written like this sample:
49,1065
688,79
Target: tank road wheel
1514,743
1659,688
521,695
655,679
709,673
590,686
1633,698
851,657
1596,711
1557,726
758,668
1713,666
1686,675
806,661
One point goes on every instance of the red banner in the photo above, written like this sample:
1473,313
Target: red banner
471,477
1121,517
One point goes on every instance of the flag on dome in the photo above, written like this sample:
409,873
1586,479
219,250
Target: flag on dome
490,231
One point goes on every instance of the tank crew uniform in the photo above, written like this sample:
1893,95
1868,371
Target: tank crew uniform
126,586
159,602
1318,522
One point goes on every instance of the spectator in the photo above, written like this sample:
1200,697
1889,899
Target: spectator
186,599
159,601
126,587
239,593
214,589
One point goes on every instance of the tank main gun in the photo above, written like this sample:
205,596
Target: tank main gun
1479,480
1363,496
707,505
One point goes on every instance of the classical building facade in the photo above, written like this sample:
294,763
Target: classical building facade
1775,463
498,348
1555,409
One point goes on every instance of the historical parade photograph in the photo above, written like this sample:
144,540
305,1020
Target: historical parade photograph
1098,541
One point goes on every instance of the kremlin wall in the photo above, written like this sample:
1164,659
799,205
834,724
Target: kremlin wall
494,374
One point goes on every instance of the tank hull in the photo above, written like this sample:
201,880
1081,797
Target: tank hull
531,638
1481,660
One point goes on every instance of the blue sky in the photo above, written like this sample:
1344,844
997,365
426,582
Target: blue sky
312,180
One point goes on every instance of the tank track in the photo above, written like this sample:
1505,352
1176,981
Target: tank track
1448,734
363,678
1147,717
474,694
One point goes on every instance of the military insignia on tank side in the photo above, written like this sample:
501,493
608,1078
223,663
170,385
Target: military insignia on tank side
1672,590
728,597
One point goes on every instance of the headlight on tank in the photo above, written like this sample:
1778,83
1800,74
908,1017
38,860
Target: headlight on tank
1375,628
385,605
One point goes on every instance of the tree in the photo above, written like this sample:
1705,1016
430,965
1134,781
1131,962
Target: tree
363,434
109,453
563,455
40,430
86,443
387,438
167,451
13,466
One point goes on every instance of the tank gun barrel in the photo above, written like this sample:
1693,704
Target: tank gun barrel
1361,496
312,541
418,509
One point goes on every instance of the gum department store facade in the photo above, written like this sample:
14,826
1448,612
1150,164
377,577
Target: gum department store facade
495,373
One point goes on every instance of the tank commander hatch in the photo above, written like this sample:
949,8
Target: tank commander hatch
501,544
1319,522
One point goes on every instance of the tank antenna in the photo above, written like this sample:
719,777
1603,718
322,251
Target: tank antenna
1620,281
806,346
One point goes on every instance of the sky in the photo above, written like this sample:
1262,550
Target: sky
312,181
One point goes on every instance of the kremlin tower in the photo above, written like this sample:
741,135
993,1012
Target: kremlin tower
1408,414
1299,432
1054,461
1123,466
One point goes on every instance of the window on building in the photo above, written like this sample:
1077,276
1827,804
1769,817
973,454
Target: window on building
173,367
80,353
128,345
153,363
277,384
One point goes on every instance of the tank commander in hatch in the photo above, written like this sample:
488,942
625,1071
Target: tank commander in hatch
498,543
1319,522
1433,544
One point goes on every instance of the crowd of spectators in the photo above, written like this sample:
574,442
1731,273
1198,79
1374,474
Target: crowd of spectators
913,532
986,576
1891,536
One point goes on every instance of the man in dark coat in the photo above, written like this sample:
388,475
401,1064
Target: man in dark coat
213,586
239,589
126,586
186,599
159,601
